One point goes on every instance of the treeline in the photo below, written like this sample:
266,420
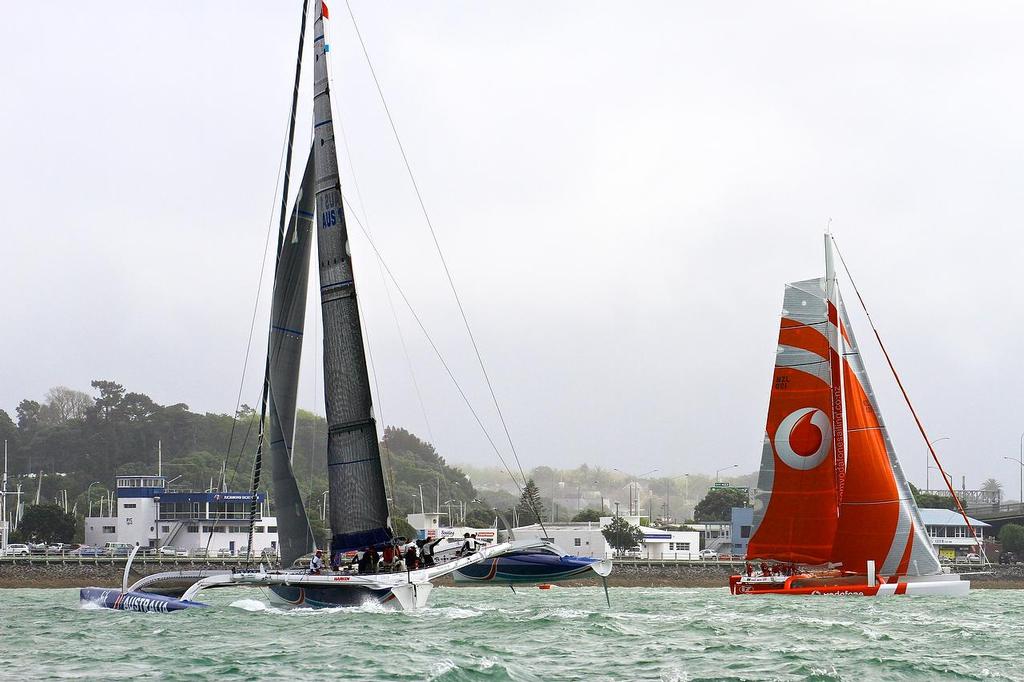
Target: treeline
72,439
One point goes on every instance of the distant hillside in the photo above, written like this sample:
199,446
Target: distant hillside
73,439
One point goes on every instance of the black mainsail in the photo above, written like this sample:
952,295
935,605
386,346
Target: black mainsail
287,319
359,509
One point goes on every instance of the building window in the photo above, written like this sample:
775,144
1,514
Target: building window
258,529
744,531
165,529
207,529
271,529
679,546
109,529
129,505
960,532
192,529
577,542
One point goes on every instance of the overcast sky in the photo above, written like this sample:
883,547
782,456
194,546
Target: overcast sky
621,190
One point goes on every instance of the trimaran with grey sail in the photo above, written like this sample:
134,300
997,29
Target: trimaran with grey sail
359,514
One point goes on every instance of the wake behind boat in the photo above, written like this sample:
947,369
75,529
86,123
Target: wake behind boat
831,491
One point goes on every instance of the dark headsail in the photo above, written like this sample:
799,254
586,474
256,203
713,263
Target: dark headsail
287,318
359,509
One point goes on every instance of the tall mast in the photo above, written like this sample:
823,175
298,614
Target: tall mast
835,367
359,508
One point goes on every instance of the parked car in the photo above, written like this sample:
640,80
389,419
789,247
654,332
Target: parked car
708,555
973,558
57,548
16,550
117,549
198,551
37,548
86,550
167,550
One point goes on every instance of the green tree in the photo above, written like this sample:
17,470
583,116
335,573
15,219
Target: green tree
28,414
931,500
718,503
1011,537
587,515
480,518
621,534
530,507
47,523
321,533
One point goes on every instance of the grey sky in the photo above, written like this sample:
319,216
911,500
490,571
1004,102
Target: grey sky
621,191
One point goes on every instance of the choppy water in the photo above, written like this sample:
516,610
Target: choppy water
492,634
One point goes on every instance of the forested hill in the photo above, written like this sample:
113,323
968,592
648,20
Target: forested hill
74,438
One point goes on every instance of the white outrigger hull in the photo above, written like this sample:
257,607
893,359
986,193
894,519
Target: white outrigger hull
408,590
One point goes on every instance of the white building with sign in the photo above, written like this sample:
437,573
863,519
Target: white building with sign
586,539
149,514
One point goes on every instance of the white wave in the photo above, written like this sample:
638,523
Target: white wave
249,605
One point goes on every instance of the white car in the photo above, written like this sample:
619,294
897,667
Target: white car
167,550
16,550
708,555
973,558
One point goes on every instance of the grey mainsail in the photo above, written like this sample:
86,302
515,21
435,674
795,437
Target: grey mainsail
359,509
287,318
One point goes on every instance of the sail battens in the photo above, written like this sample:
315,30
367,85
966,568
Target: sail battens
351,426
358,503
795,511
878,518
288,314
355,461
285,330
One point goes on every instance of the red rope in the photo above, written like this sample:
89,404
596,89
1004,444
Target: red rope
906,398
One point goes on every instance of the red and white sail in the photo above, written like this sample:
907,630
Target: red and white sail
878,518
796,506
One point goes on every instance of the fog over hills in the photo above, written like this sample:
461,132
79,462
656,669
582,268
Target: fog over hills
620,192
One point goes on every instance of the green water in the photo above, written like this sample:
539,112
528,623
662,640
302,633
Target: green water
492,634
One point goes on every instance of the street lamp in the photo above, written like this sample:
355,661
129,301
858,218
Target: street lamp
928,466
616,509
1021,463
668,491
633,482
89,499
718,472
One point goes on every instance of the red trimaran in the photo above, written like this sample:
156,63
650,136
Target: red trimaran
832,497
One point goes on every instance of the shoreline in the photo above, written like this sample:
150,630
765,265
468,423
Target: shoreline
37,576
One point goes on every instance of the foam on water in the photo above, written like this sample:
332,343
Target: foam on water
493,634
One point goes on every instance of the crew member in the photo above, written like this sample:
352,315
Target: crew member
316,564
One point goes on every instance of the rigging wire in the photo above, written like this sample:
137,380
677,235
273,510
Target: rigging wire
906,398
437,245
433,345
383,278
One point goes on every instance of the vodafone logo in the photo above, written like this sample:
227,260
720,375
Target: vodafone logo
803,438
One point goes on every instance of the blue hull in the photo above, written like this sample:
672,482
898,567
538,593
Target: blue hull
333,597
526,568
113,598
